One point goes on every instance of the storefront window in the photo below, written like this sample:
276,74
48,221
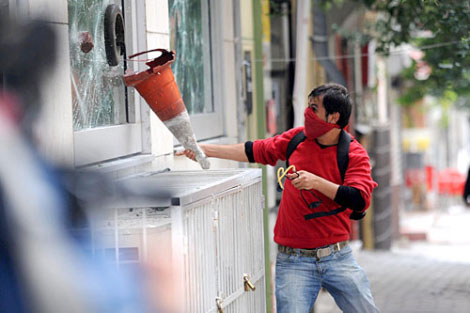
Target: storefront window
190,38
106,115
99,94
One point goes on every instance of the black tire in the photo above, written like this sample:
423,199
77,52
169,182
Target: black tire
114,36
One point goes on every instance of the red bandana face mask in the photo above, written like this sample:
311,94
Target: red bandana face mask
314,126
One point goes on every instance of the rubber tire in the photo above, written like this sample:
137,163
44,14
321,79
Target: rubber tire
114,35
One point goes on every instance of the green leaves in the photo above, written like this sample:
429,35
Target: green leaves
441,28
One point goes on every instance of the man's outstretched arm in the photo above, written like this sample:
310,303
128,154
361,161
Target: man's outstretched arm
235,152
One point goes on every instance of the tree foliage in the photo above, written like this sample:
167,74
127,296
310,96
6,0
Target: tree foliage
440,28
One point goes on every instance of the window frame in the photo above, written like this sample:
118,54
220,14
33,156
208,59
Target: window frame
200,121
94,145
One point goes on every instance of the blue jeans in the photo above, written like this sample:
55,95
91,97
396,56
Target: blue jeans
299,279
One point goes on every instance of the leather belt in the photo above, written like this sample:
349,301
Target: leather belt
314,253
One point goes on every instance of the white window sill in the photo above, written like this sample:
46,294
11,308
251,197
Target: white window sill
136,161
121,164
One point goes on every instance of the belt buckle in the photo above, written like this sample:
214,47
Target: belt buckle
324,252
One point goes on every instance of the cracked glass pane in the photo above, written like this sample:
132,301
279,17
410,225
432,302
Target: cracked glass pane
98,90
190,38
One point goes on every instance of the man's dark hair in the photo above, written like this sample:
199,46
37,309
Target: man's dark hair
335,99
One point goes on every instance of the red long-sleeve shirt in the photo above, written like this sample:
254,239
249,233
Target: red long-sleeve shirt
292,229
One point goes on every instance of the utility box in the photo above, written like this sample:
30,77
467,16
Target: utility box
211,230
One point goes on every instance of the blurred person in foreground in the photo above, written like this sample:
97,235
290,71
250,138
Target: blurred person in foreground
312,238
44,267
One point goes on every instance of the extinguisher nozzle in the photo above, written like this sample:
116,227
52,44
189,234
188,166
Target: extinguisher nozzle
180,126
203,161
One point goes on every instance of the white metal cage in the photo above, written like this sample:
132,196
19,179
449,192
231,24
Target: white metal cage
211,233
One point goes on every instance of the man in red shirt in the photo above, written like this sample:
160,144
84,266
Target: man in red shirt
314,251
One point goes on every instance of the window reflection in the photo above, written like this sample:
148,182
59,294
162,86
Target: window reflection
190,38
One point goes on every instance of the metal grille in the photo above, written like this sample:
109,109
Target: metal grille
225,242
200,258
215,236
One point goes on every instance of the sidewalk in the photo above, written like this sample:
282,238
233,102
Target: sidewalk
432,275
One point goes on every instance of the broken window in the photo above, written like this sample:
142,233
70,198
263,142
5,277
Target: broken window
98,92
190,38
106,115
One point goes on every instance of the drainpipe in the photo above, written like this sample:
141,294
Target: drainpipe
320,46
237,32
261,133
301,54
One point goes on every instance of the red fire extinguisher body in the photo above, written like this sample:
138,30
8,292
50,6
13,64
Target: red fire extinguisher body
157,85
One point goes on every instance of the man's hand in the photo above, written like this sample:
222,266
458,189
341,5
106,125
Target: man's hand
302,179
306,180
188,153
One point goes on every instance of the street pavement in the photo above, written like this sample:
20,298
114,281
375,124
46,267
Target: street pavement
431,275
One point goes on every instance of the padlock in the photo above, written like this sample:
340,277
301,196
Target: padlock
218,302
247,283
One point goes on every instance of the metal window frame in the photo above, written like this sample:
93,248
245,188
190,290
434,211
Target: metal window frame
211,125
110,142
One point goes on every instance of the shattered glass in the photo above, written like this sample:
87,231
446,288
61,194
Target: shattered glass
98,90
190,38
